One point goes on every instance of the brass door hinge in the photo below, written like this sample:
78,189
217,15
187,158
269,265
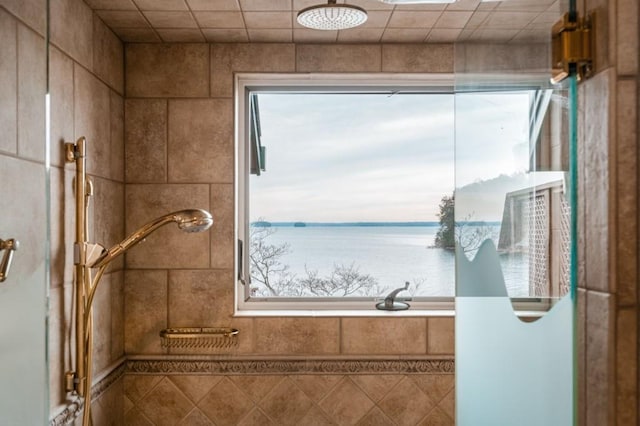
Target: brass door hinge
572,47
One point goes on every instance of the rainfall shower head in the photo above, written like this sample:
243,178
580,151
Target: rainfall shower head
191,220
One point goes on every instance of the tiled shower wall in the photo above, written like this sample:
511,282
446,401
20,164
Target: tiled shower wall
608,296
180,154
87,88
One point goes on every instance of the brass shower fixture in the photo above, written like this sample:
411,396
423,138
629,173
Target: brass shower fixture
88,256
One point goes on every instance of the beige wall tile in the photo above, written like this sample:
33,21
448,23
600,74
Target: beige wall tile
375,417
167,247
165,404
491,57
270,35
338,58
178,70
60,258
32,86
227,58
136,386
116,150
61,89
146,140
600,361
627,192
596,177
111,404
435,386
200,298
92,111
145,313
31,12
314,386
360,35
222,231
286,404
256,417
384,336
292,336
437,417
71,29
627,366
58,342
8,84
108,56
102,325
134,417
257,387
581,355
346,403
605,32
377,386
441,339
117,315
225,404
201,140
111,4
627,36
195,387
422,58
406,403
196,418
404,35
106,219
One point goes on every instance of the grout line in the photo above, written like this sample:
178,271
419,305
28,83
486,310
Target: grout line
166,140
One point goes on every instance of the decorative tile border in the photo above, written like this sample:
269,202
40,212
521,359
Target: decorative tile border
397,366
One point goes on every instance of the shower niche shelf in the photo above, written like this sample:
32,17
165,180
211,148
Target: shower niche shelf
199,337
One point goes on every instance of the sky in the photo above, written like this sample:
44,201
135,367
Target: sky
359,157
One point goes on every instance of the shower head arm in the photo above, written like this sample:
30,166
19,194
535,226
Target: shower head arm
133,239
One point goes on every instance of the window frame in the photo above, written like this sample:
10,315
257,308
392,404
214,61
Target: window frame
245,305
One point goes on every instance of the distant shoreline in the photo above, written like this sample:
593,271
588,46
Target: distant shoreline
264,224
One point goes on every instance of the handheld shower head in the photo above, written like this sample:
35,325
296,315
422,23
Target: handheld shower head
195,220
191,220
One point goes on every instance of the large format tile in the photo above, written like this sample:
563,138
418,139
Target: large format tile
146,140
440,337
200,298
31,12
32,86
225,404
338,58
168,247
165,404
227,58
72,30
108,56
145,311
222,232
290,336
8,84
106,215
61,90
200,147
167,70
384,336
286,404
432,58
346,403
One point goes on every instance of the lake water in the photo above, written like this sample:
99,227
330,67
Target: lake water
391,254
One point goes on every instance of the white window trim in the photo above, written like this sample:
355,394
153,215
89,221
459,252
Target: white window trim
244,83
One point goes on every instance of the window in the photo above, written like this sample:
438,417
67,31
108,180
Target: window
345,191
339,186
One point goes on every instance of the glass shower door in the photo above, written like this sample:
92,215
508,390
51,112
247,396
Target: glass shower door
515,221
23,214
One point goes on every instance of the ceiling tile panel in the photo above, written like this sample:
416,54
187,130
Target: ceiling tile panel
219,19
123,19
171,19
443,35
305,35
404,35
229,5
137,35
276,20
111,4
161,4
264,5
360,35
228,35
453,20
405,20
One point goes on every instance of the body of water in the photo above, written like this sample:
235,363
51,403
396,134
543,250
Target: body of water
390,254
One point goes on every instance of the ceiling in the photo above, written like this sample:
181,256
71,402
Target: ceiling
263,21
